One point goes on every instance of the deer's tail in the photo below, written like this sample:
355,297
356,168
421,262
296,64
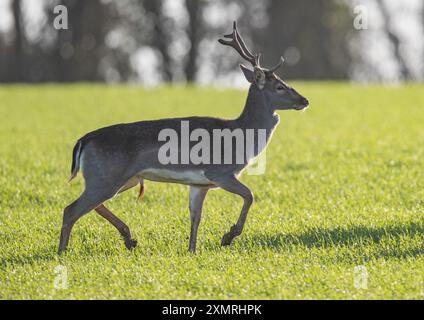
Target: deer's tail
76,154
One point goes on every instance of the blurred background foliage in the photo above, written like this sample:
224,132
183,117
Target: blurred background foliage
156,41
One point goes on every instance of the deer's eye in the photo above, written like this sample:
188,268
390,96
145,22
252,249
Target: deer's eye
280,88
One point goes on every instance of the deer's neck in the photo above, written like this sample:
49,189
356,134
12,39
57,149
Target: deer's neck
257,114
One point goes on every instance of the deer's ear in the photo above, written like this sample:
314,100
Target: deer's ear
248,74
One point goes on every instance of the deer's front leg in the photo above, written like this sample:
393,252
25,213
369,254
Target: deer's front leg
197,196
231,184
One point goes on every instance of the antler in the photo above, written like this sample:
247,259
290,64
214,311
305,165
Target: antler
239,45
278,65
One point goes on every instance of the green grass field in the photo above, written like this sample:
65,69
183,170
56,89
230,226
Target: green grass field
343,192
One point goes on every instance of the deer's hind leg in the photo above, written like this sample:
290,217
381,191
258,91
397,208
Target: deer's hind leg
88,201
97,191
123,229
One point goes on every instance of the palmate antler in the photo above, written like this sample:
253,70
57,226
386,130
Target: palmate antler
239,45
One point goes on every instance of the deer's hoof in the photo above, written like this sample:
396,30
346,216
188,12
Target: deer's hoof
130,243
61,250
226,239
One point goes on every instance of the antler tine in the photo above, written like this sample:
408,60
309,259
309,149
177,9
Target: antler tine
242,43
240,47
231,35
257,58
278,65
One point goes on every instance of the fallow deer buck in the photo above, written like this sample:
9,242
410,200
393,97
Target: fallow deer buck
116,158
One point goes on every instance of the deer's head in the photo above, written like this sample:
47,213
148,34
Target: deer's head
277,93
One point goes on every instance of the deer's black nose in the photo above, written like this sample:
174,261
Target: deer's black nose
304,101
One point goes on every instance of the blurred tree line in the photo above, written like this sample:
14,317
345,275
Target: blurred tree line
175,40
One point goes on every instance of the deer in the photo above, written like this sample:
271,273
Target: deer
116,158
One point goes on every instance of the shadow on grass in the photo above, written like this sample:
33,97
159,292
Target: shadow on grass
44,255
100,246
354,237
296,167
50,254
